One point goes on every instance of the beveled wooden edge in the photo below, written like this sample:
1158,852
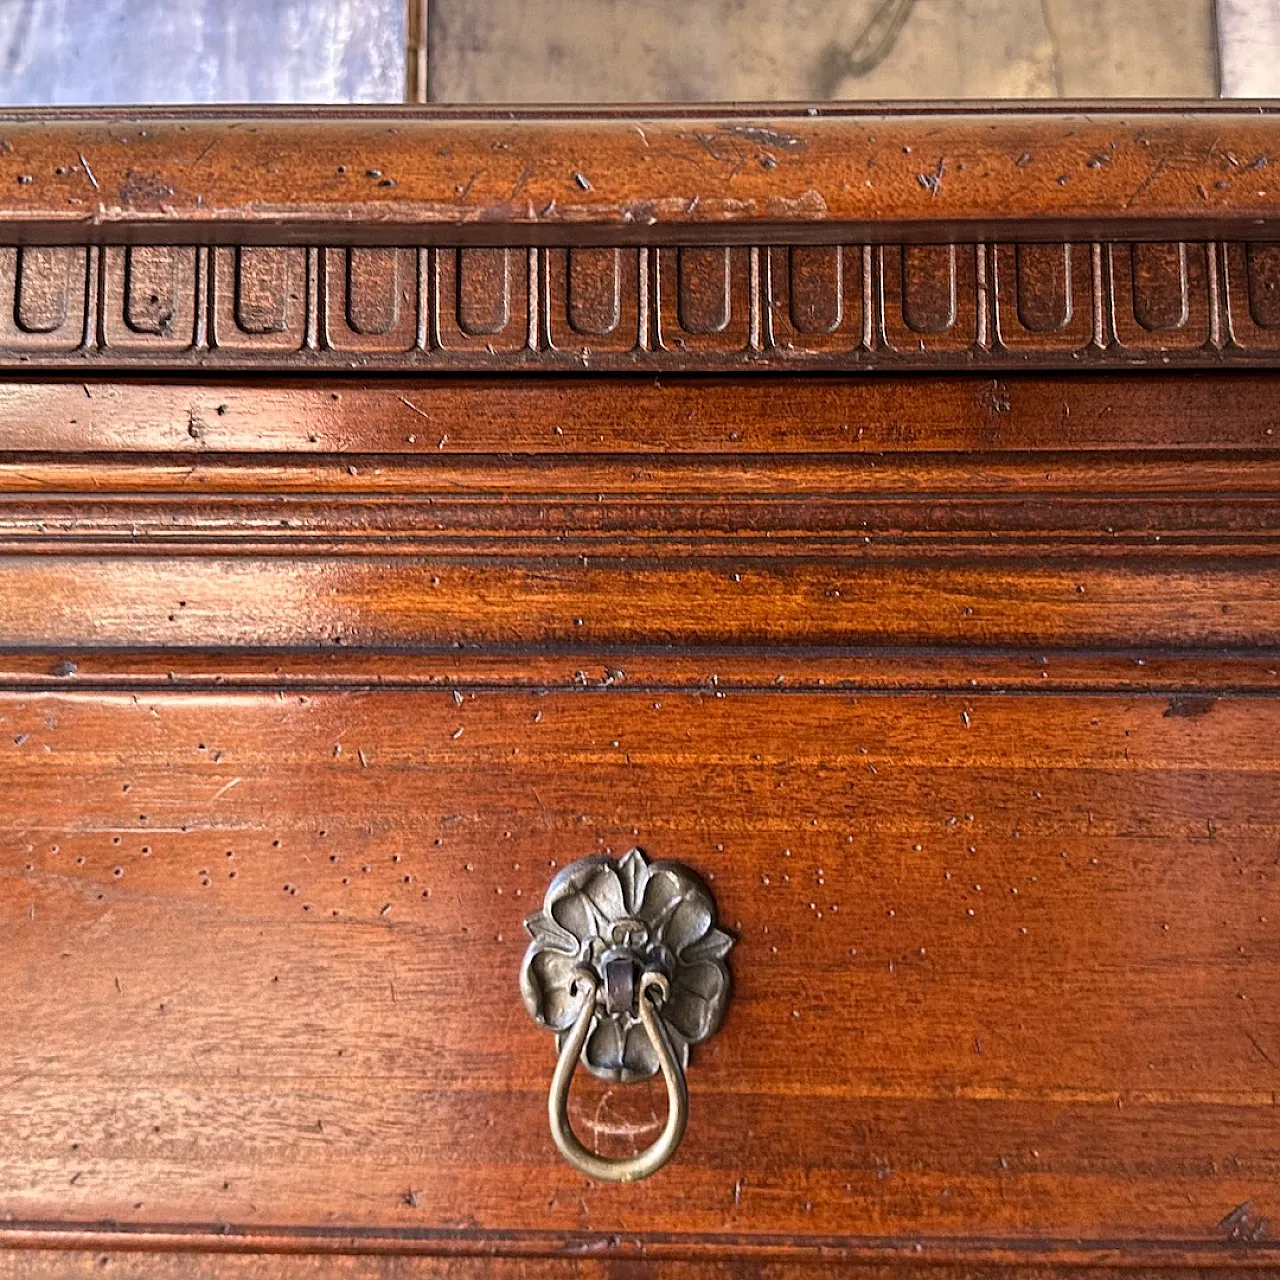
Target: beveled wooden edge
1205,1253
641,175
64,1264
1190,678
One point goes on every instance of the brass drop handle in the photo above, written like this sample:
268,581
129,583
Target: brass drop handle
627,967
654,988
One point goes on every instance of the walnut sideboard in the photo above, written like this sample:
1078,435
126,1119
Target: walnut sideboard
789,598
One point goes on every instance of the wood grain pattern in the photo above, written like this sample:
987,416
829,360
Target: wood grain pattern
825,238
914,669
923,593
668,175
269,603
983,418
1093,547
965,900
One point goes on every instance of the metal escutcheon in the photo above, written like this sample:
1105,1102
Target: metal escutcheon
627,967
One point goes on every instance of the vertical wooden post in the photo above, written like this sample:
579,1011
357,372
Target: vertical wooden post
416,87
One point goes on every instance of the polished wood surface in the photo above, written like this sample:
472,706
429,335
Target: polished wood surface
571,176
74,1265
902,557
700,308
262,956
802,239
977,423
1039,513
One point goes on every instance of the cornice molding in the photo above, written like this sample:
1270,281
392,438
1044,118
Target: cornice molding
769,174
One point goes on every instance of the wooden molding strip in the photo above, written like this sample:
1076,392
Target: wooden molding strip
822,306
652,176
1146,598
860,521
66,1264
1207,1254
286,427
1190,677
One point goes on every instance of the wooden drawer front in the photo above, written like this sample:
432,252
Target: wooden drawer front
1005,962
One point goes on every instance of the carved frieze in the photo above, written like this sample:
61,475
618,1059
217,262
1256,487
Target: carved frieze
836,306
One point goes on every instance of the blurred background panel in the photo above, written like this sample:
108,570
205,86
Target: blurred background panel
1249,40
118,51
698,50
478,51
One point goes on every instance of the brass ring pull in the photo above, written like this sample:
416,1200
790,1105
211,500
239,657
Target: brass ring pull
654,989
626,966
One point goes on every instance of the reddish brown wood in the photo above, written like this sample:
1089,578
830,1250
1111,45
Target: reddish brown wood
79,1264
715,418
262,953
529,597
680,239
697,307
1085,521
571,176
913,670
353,580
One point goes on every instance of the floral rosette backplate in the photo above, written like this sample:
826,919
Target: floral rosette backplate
661,915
